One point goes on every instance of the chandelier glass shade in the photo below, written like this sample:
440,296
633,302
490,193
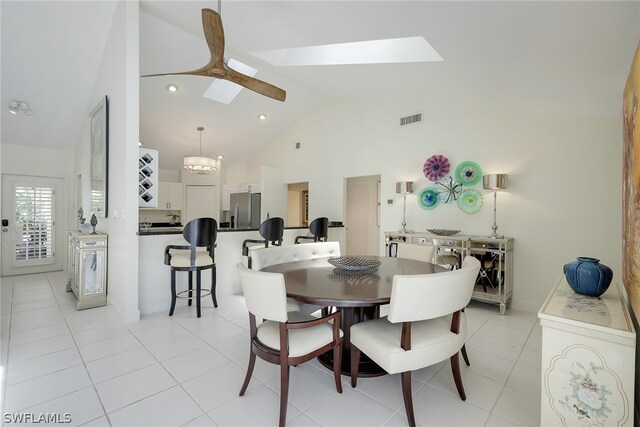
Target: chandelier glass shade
199,164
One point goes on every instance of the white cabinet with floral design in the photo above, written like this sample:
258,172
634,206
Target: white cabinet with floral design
588,359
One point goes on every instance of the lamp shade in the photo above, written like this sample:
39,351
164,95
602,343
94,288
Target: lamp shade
404,187
496,181
199,165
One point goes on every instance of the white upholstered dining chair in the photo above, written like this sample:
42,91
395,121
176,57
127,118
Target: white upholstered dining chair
285,338
426,325
417,252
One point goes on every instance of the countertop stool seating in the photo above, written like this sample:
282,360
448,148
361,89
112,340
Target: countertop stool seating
200,233
271,230
319,229
285,338
265,257
425,325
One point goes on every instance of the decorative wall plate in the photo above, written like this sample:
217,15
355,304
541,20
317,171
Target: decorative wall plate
468,173
448,189
436,167
470,201
428,198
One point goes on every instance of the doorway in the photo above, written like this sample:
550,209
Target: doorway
298,204
363,216
32,224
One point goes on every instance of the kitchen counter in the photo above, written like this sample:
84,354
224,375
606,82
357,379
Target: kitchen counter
155,231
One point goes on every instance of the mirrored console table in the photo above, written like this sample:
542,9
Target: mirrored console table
588,359
87,269
494,283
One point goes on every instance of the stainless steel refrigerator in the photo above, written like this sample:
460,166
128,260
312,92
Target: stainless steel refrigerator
245,209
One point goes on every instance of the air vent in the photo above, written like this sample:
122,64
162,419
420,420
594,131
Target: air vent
409,120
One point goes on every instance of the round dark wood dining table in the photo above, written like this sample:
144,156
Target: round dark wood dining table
357,295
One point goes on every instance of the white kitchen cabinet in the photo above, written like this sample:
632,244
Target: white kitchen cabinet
170,195
588,359
87,272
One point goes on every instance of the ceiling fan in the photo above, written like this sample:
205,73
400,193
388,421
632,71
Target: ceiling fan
217,66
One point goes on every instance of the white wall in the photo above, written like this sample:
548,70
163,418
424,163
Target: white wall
564,196
118,79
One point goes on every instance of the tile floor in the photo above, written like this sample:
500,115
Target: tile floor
180,370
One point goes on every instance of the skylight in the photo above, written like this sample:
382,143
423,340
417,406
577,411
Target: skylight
223,90
386,51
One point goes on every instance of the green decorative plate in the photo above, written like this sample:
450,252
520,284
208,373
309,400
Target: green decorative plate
428,198
470,201
468,173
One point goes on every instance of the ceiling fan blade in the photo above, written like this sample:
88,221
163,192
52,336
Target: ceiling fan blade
214,34
199,72
254,84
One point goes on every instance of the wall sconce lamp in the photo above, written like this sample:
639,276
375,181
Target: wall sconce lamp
16,106
404,188
495,182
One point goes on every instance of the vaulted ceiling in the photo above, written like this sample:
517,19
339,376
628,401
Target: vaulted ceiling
544,57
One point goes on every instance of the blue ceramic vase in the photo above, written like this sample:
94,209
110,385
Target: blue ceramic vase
587,276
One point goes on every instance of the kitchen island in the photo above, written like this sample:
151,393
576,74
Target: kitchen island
154,278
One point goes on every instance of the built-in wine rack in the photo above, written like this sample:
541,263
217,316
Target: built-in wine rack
147,178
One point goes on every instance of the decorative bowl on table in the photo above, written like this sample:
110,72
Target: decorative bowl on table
354,264
442,231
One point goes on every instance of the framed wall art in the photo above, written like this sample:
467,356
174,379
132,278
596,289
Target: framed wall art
99,158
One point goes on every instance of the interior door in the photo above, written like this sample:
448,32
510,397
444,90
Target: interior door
201,202
357,217
31,224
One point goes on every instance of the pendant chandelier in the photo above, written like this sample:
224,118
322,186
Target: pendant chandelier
199,164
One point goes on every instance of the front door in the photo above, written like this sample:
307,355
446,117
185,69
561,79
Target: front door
31,220
357,217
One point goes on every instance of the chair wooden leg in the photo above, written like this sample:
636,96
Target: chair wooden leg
464,355
337,365
408,399
190,288
457,377
198,291
284,393
247,379
213,287
355,363
173,292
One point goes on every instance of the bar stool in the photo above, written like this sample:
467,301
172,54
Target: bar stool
200,233
319,229
271,230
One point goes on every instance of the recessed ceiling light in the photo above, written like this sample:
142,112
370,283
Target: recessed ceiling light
171,87
220,157
139,143
385,51
262,117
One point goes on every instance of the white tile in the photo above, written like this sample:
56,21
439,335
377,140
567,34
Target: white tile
235,347
534,341
263,371
525,379
34,314
98,422
119,364
302,420
386,389
496,421
433,407
530,358
82,407
149,321
126,389
487,365
34,305
160,333
173,347
425,374
108,347
351,408
201,421
258,407
494,346
171,407
307,385
194,363
40,296
89,319
42,365
37,334
38,390
38,322
88,336
480,391
186,317
218,386
399,420
39,348
517,319
520,407
504,333
219,332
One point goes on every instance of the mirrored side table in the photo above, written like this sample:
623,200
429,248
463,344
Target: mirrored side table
87,269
